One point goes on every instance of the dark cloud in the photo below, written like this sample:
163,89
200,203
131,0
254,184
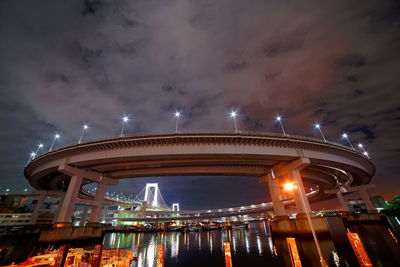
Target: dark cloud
64,63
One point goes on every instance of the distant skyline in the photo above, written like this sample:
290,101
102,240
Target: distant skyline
69,63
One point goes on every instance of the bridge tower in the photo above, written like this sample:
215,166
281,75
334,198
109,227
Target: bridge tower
175,207
154,202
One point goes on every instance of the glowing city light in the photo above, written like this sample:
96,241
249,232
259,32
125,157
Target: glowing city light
233,114
39,147
279,120
289,186
84,128
177,115
364,152
345,136
125,120
318,126
56,136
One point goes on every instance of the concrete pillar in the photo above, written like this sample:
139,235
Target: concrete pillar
342,201
276,194
99,198
69,201
298,201
366,200
38,207
301,192
83,217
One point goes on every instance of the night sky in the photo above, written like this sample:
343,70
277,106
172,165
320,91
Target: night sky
65,63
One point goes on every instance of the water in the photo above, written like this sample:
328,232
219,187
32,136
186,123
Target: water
250,247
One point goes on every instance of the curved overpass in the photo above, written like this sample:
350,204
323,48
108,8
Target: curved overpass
204,153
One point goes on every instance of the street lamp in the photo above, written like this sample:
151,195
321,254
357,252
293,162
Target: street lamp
39,147
318,126
291,186
125,120
233,114
365,153
54,140
345,136
31,156
279,120
84,128
177,115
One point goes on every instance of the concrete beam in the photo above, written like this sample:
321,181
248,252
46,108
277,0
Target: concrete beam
350,189
91,175
87,202
286,169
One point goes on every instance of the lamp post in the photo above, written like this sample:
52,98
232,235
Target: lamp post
31,156
124,121
84,128
291,186
318,126
233,114
177,115
365,153
279,120
345,136
39,147
54,140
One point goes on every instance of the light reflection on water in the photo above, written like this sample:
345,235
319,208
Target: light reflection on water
250,247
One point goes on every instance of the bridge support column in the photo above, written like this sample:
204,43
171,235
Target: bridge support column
366,200
275,179
99,198
83,217
276,195
69,201
362,191
71,197
342,202
302,203
38,207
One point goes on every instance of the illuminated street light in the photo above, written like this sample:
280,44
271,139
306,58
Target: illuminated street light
31,156
233,114
365,153
318,126
39,147
125,120
345,136
54,140
279,120
290,187
177,115
84,128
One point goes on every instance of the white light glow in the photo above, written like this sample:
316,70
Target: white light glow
278,118
344,135
360,145
125,119
85,126
177,114
233,114
317,126
57,136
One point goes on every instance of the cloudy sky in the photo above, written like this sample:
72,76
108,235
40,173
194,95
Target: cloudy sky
65,63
